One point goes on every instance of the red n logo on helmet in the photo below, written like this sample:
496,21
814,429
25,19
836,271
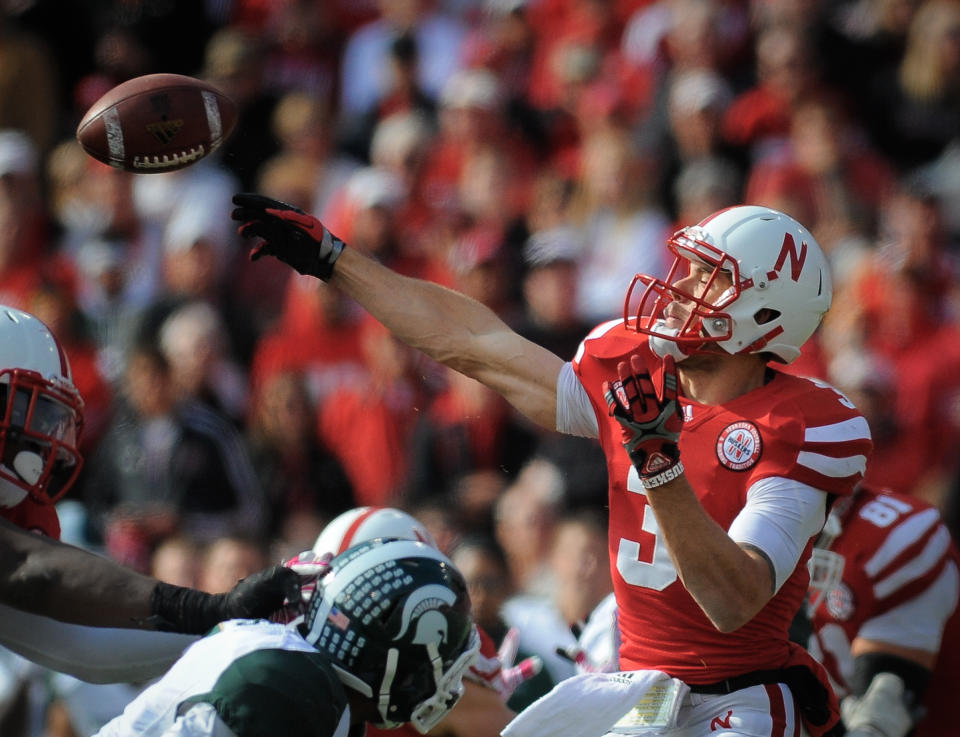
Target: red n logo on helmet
789,248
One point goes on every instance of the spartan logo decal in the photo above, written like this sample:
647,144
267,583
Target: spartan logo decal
739,445
422,611
789,249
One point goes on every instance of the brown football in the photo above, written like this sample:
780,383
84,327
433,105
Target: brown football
157,123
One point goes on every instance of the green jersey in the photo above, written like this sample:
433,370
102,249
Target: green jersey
247,678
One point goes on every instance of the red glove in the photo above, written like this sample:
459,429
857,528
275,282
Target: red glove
650,417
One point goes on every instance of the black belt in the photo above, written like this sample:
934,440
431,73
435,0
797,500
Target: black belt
745,680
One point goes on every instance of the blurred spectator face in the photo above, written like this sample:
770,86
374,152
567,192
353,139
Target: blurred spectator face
301,124
692,40
484,186
386,357
401,14
931,62
487,581
19,192
526,514
705,186
816,132
579,554
441,522
477,263
191,269
147,384
550,293
783,61
470,106
913,234
612,171
290,178
233,63
697,101
398,145
227,561
284,410
88,197
191,341
175,561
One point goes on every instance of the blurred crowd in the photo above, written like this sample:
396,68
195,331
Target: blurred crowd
534,154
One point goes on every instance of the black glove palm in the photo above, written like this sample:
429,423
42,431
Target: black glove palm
287,233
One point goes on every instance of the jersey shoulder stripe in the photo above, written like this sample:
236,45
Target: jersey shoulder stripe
906,533
930,559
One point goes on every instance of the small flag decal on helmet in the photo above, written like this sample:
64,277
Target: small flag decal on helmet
338,619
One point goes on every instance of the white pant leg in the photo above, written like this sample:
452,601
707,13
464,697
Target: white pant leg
767,710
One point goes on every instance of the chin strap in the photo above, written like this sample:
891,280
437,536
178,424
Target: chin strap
664,347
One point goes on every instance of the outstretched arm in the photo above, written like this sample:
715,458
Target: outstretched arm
42,576
457,331
448,326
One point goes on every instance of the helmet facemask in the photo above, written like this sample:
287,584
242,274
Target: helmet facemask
39,431
706,320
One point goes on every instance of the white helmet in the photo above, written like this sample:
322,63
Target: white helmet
781,286
40,412
365,523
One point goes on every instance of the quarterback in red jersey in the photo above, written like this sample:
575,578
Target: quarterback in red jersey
708,561
889,631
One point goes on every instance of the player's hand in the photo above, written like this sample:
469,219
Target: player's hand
650,417
311,567
261,594
579,657
288,233
880,712
193,612
499,672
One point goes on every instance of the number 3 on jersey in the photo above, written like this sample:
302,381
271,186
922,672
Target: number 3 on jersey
636,564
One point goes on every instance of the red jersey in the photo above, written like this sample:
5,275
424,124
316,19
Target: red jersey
33,516
899,585
790,427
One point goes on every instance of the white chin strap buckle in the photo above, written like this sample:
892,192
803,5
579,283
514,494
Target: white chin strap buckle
664,347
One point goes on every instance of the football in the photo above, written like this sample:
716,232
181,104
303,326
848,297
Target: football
157,123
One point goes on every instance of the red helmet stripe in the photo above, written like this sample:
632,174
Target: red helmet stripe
354,526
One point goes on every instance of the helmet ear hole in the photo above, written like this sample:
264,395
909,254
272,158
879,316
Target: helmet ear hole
767,314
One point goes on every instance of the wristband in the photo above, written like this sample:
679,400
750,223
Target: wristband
664,477
179,609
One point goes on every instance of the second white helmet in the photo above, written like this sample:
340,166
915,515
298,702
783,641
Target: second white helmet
365,523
